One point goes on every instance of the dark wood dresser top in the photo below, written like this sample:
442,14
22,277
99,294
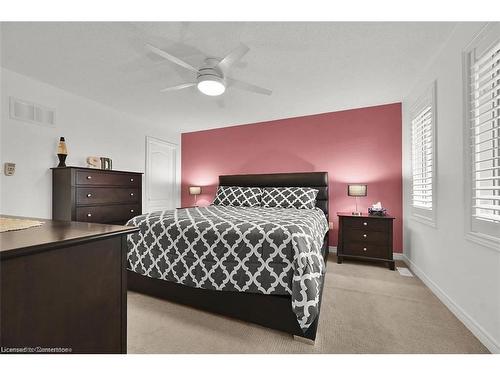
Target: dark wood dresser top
54,234
97,169
364,215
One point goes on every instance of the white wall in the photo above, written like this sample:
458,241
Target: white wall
464,275
89,128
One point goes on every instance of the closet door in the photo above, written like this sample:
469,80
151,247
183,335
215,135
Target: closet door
161,175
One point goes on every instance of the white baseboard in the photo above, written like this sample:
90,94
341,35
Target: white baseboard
466,319
395,256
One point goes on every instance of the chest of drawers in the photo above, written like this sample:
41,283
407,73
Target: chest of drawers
95,195
64,285
365,237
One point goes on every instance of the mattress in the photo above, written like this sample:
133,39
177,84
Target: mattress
243,249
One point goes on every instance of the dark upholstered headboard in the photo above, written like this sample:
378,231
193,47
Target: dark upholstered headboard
316,180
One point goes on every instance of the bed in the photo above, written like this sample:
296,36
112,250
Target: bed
272,275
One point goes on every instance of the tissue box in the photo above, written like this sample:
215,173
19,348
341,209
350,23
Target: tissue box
377,211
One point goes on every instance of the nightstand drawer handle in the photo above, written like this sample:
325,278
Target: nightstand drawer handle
364,248
365,223
131,194
364,235
89,214
131,180
89,177
89,195
132,210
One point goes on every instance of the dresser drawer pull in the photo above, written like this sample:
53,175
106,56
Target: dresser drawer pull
89,177
131,180
364,235
365,223
364,248
131,194
132,210
89,195
89,214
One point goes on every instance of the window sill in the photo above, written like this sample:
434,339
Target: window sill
484,240
424,220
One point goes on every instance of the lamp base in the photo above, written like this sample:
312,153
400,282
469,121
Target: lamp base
62,160
356,213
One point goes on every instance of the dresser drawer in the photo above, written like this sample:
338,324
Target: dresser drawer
107,214
371,224
366,250
365,236
106,178
100,195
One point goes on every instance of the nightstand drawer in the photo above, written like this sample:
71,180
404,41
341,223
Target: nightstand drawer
372,224
366,250
366,236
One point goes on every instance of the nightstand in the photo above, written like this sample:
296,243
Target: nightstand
365,237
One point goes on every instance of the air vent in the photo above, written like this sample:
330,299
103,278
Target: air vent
31,112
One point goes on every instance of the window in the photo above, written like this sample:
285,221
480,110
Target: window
483,134
423,139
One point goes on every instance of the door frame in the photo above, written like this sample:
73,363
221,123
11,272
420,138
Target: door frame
147,169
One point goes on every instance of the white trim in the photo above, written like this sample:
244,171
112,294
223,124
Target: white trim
423,219
395,256
484,240
398,256
466,319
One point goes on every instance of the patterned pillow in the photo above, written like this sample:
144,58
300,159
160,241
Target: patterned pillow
289,197
238,196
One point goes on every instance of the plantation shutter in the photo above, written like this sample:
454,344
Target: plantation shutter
422,157
484,106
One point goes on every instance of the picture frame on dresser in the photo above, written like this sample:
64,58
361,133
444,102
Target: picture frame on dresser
96,195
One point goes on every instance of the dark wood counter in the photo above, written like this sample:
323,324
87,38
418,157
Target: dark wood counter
63,285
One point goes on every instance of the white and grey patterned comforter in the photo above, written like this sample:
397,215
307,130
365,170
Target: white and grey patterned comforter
244,249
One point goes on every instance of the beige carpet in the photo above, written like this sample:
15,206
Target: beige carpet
366,309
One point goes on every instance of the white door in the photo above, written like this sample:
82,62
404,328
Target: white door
161,175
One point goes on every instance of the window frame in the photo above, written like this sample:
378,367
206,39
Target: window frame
487,37
427,98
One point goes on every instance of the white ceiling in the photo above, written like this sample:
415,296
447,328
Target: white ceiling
312,67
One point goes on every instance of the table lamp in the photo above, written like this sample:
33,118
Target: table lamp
357,190
195,190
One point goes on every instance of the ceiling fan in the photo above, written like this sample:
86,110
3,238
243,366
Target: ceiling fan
211,78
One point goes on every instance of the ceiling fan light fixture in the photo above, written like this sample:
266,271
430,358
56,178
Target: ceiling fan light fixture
211,85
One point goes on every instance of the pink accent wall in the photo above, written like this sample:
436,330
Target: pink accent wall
354,146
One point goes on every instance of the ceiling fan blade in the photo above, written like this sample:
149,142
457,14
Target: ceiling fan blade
233,56
248,86
179,87
172,58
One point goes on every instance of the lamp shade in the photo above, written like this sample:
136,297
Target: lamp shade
194,190
357,190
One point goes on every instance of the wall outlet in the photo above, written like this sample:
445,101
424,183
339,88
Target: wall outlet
330,224
9,169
